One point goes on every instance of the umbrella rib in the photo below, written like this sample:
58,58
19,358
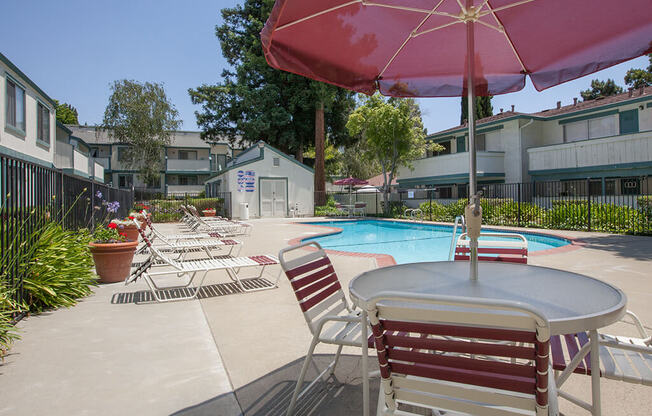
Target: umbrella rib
509,40
438,27
410,36
507,6
303,19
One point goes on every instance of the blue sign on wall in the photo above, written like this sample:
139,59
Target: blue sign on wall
246,181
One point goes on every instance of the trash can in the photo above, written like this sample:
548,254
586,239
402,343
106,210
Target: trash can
244,210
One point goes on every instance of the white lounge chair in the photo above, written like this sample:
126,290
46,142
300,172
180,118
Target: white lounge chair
190,268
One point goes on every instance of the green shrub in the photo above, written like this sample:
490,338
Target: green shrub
165,210
328,209
8,332
57,269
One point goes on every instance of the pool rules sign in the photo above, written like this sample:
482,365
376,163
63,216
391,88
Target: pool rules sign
246,181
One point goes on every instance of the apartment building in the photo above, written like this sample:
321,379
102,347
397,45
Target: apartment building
27,117
607,142
186,162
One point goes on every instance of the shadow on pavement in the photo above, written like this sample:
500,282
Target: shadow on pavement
207,291
626,246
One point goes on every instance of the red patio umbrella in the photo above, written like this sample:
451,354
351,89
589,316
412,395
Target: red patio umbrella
436,48
351,181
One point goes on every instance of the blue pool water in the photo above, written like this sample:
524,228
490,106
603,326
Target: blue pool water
407,242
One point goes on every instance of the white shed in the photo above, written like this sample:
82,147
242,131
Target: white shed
271,182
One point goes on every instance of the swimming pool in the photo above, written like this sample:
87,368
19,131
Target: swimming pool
407,242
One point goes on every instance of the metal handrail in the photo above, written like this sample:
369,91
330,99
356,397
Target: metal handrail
459,219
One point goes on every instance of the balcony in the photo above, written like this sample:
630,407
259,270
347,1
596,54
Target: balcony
184,165
104,161
184,189
98,171
68,158
608,152
453,168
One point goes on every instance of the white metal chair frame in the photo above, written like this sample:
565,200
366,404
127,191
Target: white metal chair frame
626,359
436,390
197,222
517,249
191,268
330,318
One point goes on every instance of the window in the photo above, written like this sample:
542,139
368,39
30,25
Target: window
187,180
122,153
595,187
628,121
42,123
593,128
188,154
155,183
277,162
480,143
629,186
15,106
445,192
447,148
125,181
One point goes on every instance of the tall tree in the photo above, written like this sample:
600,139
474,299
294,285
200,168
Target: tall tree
140,115
66,113
255,101
637,78
601,89
393,133
483,108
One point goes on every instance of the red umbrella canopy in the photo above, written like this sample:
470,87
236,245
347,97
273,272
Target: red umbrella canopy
418,47
350,181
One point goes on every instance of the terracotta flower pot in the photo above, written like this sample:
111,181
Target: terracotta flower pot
130,231
209,212
113,260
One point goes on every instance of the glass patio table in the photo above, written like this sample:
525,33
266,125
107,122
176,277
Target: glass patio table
572,302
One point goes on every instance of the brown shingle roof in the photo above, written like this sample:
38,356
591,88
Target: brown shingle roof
567,109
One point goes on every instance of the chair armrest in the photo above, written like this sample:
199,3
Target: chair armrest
639,326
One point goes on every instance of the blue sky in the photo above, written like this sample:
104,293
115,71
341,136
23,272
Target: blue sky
74,49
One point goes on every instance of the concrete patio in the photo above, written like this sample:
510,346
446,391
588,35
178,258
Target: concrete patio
231,353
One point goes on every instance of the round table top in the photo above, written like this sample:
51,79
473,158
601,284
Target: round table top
572,302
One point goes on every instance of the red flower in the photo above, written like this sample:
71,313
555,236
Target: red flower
123,234
131,218
112,226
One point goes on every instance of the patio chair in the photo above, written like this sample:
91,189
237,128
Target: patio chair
495,247
341,211
452,356
191,268
330,318
360,208
627,359
185,236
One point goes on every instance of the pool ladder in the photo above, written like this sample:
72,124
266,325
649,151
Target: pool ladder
458,220
413,214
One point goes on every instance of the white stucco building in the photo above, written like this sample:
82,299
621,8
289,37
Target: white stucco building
272,183
607,142
27,117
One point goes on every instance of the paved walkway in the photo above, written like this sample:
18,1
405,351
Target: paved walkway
155,359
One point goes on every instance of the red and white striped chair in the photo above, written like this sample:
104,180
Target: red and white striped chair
330,318
504,247
452,354
627,359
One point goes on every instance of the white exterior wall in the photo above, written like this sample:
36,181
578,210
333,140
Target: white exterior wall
26,145
300,183
457,163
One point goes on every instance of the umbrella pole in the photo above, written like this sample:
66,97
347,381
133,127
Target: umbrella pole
473,211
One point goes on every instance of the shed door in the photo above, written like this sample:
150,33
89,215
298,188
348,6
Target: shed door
273,197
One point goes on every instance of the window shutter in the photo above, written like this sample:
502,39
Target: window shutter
629,121
461,144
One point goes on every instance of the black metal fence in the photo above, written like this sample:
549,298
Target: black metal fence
618,205
168,209
31,194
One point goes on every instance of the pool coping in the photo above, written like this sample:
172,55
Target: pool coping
384,260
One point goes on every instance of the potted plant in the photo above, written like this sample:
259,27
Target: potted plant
127,228
208,212
112,253
140,217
